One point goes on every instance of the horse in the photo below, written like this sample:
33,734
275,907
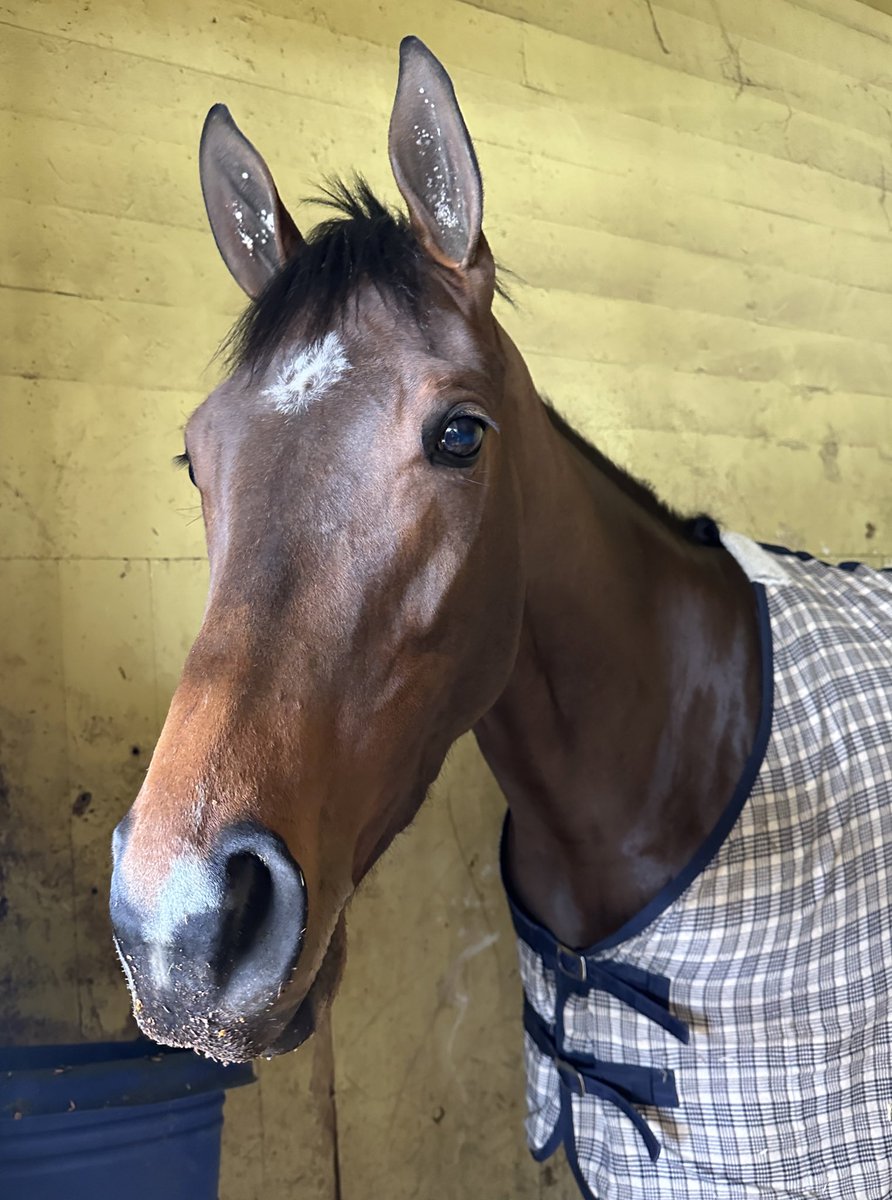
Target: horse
691,731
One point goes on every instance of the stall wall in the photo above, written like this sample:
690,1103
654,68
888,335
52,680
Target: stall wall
694,193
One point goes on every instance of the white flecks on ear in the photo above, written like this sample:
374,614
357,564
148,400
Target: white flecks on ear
304,377
254,227
246,238
436,186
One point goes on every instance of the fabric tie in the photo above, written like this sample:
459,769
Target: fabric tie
619,1084
642,991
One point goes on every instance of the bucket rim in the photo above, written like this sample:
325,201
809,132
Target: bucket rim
48,1079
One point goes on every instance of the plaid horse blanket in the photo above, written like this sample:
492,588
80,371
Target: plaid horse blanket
734,1039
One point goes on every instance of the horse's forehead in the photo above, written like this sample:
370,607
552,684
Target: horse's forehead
305,373
302,375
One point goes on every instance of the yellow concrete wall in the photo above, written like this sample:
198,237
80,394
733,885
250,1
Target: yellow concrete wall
696,194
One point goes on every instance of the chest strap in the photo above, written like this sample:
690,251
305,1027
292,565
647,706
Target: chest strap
620,1084
643,991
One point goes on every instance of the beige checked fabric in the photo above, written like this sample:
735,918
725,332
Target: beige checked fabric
734,1040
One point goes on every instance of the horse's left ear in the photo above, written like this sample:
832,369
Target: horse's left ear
433,159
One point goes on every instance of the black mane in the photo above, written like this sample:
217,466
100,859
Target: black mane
700,529
367,242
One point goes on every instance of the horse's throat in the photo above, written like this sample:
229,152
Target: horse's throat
621,735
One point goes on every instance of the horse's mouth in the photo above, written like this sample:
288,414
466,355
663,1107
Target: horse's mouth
303,1022
238,1038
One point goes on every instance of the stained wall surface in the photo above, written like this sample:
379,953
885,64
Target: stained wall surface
695,193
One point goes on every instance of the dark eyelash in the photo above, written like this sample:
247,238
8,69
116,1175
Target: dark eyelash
183,460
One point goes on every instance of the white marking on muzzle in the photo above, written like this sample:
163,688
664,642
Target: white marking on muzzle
305,377
189,890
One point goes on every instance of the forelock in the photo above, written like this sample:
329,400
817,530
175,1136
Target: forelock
367,243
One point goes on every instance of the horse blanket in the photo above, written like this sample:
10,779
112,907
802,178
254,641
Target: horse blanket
734,1039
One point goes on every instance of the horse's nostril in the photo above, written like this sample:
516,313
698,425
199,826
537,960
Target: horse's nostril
248,904
261,923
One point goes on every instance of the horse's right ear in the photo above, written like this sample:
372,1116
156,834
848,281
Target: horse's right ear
251,226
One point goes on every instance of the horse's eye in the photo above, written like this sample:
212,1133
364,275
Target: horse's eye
461,439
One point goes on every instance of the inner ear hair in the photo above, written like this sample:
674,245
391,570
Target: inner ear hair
433,159
253,230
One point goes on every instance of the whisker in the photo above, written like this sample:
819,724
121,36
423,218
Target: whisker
460,477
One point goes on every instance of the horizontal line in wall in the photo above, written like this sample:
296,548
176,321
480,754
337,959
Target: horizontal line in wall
725,319
109,297
115,558
704,374
521,289
39,377
504,216
869,558
881,30
625,303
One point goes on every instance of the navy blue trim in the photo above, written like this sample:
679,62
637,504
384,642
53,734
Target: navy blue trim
804,556
786,552
555,1140
530,929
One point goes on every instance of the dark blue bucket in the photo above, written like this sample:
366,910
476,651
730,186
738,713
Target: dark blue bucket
111,1119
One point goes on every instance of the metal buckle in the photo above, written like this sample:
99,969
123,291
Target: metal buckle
570,963
570,1076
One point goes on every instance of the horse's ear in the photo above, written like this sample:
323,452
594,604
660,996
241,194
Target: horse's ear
433,159
252,228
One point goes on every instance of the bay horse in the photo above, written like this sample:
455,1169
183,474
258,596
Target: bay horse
407,543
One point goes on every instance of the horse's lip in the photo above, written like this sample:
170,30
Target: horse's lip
301,1027
302,1023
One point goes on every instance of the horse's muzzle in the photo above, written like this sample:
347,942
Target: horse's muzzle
209,949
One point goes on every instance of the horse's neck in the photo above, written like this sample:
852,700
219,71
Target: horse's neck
633,702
